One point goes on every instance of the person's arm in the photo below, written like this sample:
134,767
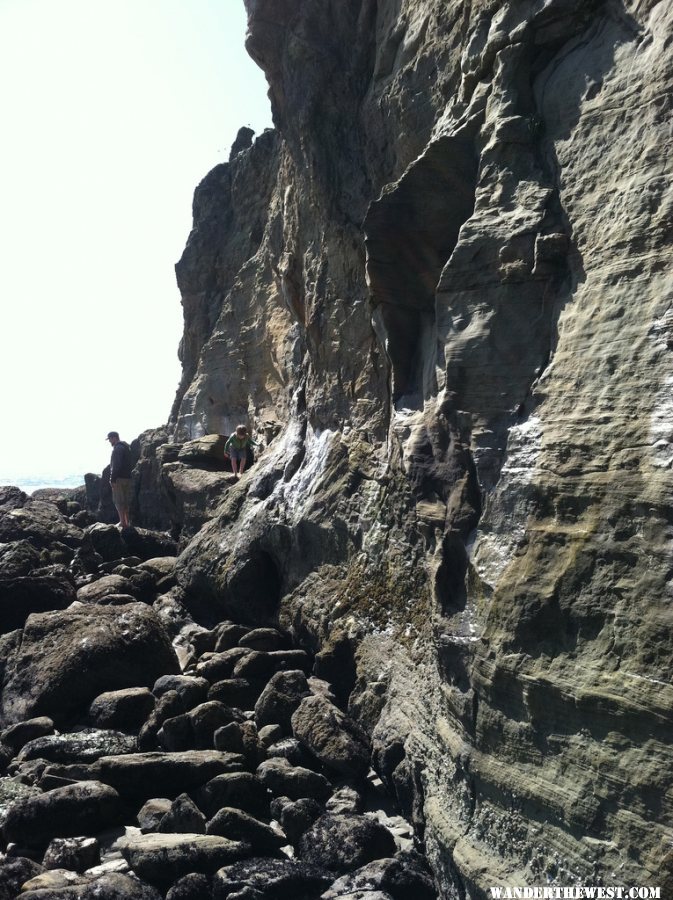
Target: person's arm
114,463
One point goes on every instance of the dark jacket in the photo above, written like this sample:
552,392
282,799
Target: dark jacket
121,464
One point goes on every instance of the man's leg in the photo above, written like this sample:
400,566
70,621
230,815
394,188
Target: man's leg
116,499
125,517
123,502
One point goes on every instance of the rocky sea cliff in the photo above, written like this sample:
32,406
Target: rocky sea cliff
423,647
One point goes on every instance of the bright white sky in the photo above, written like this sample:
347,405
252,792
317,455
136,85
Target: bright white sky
111,113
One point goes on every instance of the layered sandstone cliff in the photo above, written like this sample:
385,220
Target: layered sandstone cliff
440,291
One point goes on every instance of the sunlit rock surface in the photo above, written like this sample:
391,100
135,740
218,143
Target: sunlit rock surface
439,292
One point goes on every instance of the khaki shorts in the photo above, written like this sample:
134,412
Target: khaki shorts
121,493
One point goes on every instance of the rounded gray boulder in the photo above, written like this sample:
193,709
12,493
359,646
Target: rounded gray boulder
65,659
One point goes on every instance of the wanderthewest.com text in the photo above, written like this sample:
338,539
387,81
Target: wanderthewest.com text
575,893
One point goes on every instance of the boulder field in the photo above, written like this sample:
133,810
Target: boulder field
146,755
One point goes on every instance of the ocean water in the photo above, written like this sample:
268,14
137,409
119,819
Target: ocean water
37,482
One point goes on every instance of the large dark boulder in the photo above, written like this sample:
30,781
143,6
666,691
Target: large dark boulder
74,853
294,752
86,561
343,843
295,782
83,808
18,558
191,690
19,597
332,736
195,729
163,858
142,776
108,887
113,543
260,664
280,698
183,817
167,706
126,709
238,789
148,544
152,812
107,586
42,524
239,692
241,737
11,498
106,541
194,886
240,826
227,635
78,747
296,816
271,879
207,451
65,659
405,875
346,800
16,736
143,582
219,666
266,639
14,873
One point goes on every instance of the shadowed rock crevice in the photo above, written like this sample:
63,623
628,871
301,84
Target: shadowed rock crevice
255,591
410,232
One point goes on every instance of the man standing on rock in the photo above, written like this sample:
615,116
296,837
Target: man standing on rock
121,466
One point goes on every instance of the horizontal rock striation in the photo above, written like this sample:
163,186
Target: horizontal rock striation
439,293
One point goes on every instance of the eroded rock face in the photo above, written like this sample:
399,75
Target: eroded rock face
445,277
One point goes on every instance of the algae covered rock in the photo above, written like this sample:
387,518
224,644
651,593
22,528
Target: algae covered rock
77,809
331,735
113,647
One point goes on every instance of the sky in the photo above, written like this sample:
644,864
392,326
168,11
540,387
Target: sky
111,113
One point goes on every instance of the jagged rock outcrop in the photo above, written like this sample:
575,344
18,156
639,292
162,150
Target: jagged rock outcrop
441,285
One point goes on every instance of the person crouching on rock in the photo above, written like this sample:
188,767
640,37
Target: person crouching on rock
236,449
121,466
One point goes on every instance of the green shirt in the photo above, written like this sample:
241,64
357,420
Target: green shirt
240,443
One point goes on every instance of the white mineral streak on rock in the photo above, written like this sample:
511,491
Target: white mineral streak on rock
406,424
661,420
304,482
661,427
503,524
301,486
